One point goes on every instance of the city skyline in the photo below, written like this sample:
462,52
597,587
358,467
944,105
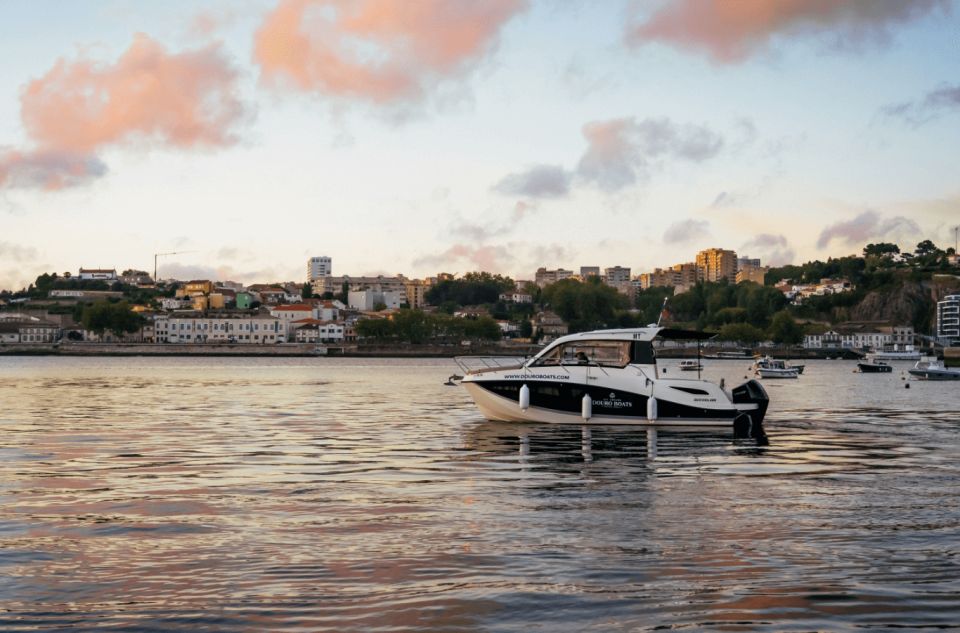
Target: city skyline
500,137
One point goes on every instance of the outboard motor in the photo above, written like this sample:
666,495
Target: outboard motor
749,422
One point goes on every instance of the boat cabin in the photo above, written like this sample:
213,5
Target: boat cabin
610,348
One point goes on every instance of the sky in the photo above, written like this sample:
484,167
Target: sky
421,136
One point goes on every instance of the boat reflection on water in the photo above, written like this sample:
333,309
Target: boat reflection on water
589,443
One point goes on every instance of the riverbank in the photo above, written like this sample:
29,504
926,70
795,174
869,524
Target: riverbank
406,350
277,350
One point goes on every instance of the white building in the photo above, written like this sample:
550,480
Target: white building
948,318
516,297
98,274
318,267
175,303
367,300
321,332
222,328
899,337
288,313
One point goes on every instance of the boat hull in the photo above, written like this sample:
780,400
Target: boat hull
776,373
628,409
867,368
927,374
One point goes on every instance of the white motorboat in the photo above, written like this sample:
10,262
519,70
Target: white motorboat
934,370
610,377
737,355
774,368
765,362
898,352
690,365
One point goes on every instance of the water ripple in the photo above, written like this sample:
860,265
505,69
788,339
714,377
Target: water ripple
361,495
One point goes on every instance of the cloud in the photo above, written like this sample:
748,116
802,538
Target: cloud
934,104
489,258
732,31
724,199
48,170
622,151
15,252
181,100
186,272
867,226
376,51
686,231
539,181
773,250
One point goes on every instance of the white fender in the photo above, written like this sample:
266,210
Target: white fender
652,409
586,407
524,397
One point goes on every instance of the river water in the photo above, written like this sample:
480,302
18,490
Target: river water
188,494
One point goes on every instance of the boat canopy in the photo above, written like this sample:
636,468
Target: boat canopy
641,350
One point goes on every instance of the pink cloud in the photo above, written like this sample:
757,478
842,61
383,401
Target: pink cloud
731,30
49,170
179,99
381,51
484,257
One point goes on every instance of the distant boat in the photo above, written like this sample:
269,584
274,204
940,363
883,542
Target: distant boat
737,355
777,369
765,361
906,352
874,367
690,365
934,370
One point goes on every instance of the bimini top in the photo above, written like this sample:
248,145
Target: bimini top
637,334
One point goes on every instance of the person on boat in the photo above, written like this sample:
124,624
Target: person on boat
582,358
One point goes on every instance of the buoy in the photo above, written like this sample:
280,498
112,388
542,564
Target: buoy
652,409
907,385
586,407
524,397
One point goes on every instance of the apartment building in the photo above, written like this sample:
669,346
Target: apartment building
715,264
318,267
948,318
544,277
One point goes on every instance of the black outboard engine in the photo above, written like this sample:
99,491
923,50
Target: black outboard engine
749,422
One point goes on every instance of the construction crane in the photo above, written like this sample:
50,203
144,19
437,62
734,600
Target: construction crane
156,255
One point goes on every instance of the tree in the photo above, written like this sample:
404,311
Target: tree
880,249
584,306
307,292
784,330
741,332
118,318
472,289
375,328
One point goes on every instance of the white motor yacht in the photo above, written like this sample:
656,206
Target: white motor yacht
610,377
774,368
896,352
934,370
767,362
690,365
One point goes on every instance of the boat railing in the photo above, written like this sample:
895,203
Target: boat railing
474,364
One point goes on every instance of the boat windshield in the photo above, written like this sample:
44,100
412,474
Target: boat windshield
606,353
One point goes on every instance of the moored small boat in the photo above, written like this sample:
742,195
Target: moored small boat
773,368
767,362
874,367
690,365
